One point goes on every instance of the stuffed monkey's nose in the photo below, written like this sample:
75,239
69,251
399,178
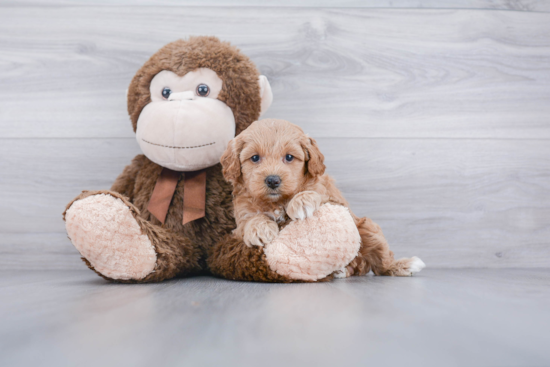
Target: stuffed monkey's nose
273,181
187,95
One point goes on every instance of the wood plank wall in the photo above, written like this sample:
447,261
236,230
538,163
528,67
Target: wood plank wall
434,116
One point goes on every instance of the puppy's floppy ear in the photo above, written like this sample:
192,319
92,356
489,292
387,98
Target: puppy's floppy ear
315,165
230,160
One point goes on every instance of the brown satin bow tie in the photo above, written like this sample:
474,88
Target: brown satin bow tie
194,194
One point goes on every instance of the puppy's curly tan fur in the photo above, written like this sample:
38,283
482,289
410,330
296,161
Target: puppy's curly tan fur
277,173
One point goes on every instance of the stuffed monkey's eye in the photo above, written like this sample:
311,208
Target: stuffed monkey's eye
203,90
289,158
255,158
166,93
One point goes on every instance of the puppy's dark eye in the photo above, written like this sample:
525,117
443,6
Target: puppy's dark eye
289,158
203,90
166,93
255,158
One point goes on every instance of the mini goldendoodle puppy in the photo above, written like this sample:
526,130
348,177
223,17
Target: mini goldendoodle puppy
278,173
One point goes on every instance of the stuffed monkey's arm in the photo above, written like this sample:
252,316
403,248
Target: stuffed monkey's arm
124,184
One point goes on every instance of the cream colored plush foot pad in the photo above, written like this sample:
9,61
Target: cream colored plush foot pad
312,248
104,231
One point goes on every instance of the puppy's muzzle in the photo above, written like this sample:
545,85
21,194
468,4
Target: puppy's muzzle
273,181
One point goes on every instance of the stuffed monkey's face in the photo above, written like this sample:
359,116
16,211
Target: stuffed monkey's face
185,127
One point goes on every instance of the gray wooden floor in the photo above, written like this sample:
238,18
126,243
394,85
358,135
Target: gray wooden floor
477,317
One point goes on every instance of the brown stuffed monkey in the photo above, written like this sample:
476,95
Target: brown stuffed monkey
172,204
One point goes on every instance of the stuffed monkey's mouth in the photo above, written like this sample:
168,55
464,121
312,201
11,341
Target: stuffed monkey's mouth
174,147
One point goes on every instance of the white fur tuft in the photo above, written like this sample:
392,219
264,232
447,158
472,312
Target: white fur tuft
300,214
309,211
340,274
416,265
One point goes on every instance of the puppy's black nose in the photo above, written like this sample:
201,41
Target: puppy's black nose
272,181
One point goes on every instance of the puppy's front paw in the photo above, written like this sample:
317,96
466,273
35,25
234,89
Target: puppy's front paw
260,231
303,205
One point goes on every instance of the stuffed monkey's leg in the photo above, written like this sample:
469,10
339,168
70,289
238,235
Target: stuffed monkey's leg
119,245
312,249
231,258
375,254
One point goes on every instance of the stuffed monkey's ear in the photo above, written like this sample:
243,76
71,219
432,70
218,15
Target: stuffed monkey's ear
230,161
314,158
265,93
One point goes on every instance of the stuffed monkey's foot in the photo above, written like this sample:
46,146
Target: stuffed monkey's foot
105,232
315,247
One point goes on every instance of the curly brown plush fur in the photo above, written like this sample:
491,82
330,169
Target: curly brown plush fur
182,249
240,91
